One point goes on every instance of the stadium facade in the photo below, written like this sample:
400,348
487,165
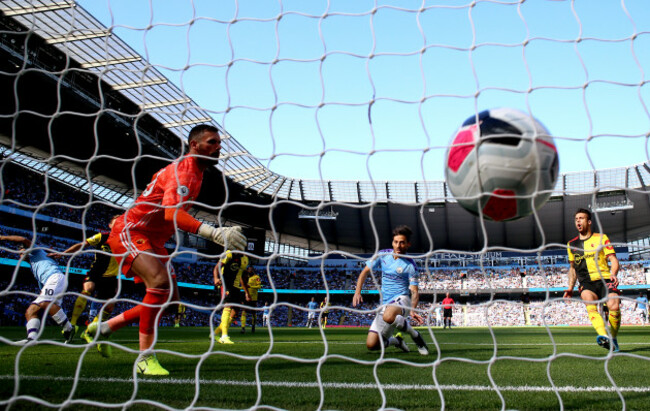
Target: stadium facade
84,108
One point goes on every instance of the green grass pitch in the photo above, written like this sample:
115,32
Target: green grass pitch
297,369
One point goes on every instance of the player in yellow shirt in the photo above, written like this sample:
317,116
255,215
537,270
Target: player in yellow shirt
326,312
589,254
254,285
101,280
179,315
229,273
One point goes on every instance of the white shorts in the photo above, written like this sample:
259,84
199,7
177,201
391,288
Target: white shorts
311,315
53,290
380,326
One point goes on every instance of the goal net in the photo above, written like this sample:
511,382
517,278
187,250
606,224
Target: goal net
335,119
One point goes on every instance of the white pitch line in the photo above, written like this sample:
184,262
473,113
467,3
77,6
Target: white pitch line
363,343
336,385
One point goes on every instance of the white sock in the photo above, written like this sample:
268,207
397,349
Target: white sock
33,326
401,324
60,317
62,320
392,341
104,329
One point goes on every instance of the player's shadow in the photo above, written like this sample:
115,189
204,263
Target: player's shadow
636,349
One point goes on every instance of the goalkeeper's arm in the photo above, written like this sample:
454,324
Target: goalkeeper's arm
229,237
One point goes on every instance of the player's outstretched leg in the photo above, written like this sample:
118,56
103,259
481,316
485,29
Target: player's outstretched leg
149,365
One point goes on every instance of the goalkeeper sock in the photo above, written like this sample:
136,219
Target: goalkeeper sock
33,326
596,319
615,322
225,321
243,319
79,307
119,321
149,315
401,324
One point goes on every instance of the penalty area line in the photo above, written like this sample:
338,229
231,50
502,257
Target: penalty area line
331,385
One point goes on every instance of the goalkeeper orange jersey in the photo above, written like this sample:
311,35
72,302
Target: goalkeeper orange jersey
590,257
176,185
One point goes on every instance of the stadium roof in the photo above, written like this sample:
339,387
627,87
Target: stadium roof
148,116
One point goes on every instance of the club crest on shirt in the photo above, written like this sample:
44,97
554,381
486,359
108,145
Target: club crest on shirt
399,270
182,191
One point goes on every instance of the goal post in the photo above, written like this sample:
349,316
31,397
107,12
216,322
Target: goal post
335,119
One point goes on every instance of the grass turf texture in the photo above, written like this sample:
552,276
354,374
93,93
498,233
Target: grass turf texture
461,373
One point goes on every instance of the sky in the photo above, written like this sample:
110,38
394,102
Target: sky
361,90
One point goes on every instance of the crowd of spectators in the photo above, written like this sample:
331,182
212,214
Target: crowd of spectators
36,193
33,192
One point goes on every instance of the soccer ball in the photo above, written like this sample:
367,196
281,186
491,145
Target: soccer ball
505,166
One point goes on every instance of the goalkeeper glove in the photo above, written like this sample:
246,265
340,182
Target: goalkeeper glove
224,235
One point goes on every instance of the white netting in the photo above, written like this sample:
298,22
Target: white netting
327,109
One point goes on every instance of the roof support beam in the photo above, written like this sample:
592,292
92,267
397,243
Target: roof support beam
69,37
248,176
268,183
158,104
243,171
277,189
187,122
137,84
37,9
263,177
116,61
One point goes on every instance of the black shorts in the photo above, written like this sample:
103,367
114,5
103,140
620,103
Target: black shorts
105,287
326,314
235,296
447,312
251,304
600,288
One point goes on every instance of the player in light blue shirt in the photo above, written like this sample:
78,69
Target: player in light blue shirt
311,316
642,304
399,294
52,283
265,314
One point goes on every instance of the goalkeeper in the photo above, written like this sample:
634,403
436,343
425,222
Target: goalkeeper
399,293
138,238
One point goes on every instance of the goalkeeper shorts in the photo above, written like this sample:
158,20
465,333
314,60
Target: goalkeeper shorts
128,244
